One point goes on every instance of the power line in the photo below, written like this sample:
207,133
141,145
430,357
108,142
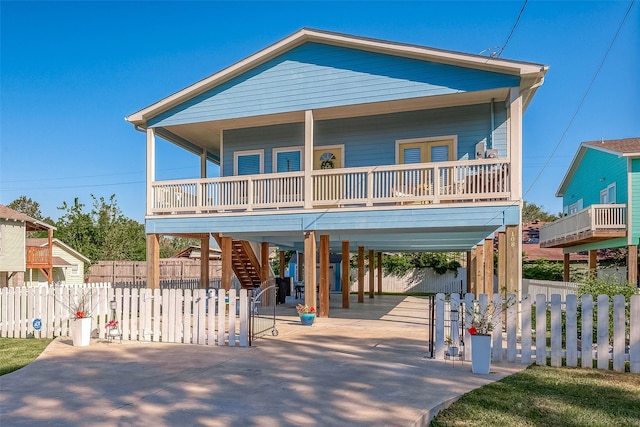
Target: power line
512,30
575,114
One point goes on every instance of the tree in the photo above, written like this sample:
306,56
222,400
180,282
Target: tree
532,212
102,234
27,206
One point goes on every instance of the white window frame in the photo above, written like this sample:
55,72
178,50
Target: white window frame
75,269
605,193
454,138
237,154
274,156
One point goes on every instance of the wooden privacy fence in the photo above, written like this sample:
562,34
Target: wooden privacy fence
199,316
577,329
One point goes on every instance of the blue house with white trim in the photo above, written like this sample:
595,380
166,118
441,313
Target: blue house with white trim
601,202
339,143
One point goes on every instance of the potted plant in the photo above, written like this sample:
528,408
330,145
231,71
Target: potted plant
80,308
307,314
482,321
452,350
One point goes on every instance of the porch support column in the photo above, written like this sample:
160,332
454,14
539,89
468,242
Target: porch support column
324,275
472,286
226,247
632,264
360,274
515,143
565,267
153,261
514,258
468,273
488,267
310,268
379,273
204,262
593,263
502,262
203,164
151,167
480,269
264,264
345,282
308,159
282,261
300,277
372,273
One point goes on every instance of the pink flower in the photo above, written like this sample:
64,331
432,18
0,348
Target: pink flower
473,330
80,314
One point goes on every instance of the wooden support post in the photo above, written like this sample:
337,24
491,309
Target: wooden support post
360,274
514,258
632,264
282,261
227,261
300,277
324,276
480,269
310,268
488,267
379,273
472,286
204,262
566,276
502,262
153,261
264,264
468,273
593,263
345,283
372,273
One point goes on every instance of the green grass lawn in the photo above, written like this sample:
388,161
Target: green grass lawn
546,396
18,352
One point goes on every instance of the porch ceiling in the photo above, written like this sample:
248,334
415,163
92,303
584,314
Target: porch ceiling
394,230
206,134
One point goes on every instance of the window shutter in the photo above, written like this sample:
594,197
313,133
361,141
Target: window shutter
411,155
288,161
440,153
249,164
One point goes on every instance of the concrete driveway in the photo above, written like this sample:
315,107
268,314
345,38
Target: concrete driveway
367,366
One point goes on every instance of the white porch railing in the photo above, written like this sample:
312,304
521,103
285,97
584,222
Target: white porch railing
593,218
425,183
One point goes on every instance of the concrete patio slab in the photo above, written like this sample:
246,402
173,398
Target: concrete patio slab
366,366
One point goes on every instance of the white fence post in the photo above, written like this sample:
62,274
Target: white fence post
572,330
587,331
525,338
541,330
634,335
603,332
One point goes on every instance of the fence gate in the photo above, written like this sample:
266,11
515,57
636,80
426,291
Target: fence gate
263,313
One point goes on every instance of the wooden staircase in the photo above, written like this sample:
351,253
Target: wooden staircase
245,263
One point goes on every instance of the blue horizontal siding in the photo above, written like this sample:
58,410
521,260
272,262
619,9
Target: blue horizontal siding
316,75
371,140
596,171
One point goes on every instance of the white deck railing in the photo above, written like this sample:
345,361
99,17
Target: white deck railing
425,183
593,218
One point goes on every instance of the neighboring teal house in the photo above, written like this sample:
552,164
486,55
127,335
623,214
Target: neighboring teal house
601,202
335,143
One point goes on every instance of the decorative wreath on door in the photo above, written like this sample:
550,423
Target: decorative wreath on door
326,161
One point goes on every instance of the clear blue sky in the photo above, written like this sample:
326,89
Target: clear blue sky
71,72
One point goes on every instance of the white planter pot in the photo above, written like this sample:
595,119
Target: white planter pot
81,332
480,354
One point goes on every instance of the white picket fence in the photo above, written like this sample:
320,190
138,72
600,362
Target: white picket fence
515,336
425,280
200,316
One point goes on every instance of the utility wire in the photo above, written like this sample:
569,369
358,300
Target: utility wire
512,30
575,114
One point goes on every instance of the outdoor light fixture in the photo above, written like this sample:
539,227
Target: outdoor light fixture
112,304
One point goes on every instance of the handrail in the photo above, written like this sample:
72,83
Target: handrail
592,218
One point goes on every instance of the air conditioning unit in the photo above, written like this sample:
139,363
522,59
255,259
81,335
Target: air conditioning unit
491,154
480,150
